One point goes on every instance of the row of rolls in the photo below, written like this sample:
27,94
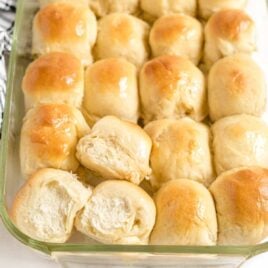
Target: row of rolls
128,150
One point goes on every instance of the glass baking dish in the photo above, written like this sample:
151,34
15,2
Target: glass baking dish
80,251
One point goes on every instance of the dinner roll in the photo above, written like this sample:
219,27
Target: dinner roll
111,89
122,35
172,87
48,138
241,202
236,85
209,7
57,77
240,140
228,32
116,149
181,149
65,27
178,35
164,7
185,215
118,212
46,205
74,2
104,7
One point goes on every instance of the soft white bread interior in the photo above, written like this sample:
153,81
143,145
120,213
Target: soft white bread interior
240,140
241,202
104,7
172,87
122,35
49,136
118,212
185,215
111,89
46,205
83,3
158,8
210,7
116,149
228,32
56,77
179,35
236,85
67,28
181,149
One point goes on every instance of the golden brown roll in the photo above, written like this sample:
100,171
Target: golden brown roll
228,32
116,149
209,7
172,87
67,28
240,140
178,35
181,149
111,89
104,7
118,212
48,138
159,8
236,85
241,203
73,2
56,77
185,215
46,205
122,35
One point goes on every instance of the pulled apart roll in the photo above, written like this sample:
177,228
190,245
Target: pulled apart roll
181,149
74,2
185,215
240,140
104,7
178,35
116,149
45,207
236,85
241,202
56,77
209,7
158,8
122,35
111,89
172,87
228,32
67,28
118,212
49,136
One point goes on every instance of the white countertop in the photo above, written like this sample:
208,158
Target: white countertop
13,254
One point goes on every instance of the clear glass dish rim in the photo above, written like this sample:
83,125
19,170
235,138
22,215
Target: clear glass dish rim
48,248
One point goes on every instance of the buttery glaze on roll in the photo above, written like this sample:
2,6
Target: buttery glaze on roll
116,149
57,77
178,35
236,85
228,32
76,2
181,149
241,202
111,89
172,87
104,7
46,205
49,136
240,140
122,35
185,215
209,7
118,212
67,28
159,8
